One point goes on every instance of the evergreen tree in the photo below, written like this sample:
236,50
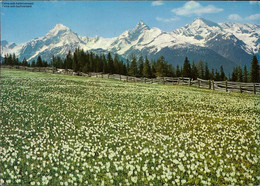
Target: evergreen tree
69,60
75,63
39,61
147,69
116,65
133,67
127,66
105,67
110,64
206,74
239,74
217,76
153,68
24,62
178,72
234,75
222,74
161,67
245,74
33,63
212,74
254,73
194,71
200,68
140,66
170,71
186,70
15,60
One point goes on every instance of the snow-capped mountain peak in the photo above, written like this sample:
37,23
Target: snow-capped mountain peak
58,28
141,26
203,23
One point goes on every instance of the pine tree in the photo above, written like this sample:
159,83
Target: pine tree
127,66
161,67
153,68
239,74
24,62
133,67
234,74
33,63
15,60
170,71
110,64
245,74
178,72
75,64
194,71
206,74
39,61
147,69
69,60
186,70
200,67
254,73
222,74
140,66
212,74
116,64
217,76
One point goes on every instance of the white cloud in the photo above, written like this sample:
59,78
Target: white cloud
253,17
192,7
235,17
157,3
167,20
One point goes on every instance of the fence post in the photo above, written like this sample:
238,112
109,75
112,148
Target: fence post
189,81
213,87
209,84
163,81
198,83
120,77
126,78
144,80
226,86
240,87
178,81
254,88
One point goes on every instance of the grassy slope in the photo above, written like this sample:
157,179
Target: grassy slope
67,129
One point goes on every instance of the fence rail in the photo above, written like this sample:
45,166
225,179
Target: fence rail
226,86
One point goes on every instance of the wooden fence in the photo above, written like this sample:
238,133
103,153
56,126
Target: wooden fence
226,86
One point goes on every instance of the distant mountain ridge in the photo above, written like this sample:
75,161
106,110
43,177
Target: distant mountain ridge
227,44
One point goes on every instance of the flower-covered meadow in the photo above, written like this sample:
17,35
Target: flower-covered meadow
68,130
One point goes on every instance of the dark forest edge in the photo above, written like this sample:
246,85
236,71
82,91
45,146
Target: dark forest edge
81,61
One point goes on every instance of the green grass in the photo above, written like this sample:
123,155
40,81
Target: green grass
65,130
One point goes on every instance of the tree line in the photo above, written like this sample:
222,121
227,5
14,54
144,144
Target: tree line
85,61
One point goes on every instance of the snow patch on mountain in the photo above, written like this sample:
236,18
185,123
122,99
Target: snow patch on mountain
248,33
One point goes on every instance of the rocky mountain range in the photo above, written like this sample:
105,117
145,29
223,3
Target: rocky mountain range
227,44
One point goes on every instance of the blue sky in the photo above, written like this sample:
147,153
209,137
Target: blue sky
111,18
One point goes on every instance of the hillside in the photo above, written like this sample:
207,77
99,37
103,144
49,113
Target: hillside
83,131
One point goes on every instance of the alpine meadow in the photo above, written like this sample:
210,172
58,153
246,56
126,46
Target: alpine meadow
106,101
